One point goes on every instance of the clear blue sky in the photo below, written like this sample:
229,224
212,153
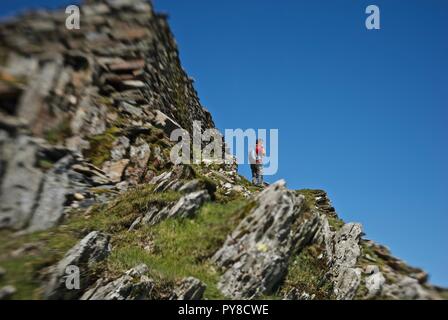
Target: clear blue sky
362,114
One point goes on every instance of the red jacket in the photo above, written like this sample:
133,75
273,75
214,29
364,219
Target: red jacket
259,150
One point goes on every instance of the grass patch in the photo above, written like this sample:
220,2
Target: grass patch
24,270
335,223
118,214
178,248
307,274
310,198
173,249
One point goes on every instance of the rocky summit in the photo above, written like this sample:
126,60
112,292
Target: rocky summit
92,207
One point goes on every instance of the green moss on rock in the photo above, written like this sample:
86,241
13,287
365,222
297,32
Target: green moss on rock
101,146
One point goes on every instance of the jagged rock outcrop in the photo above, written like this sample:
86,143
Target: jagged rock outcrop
189,289
186,207
374,281
21,182
133,285
354,263
343,252
92,249
255,256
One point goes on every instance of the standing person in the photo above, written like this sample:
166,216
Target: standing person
256,162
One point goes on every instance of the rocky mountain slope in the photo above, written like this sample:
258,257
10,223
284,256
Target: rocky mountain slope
86,182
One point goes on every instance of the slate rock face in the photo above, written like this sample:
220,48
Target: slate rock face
90,250
346,251
122,70
50,204
185,207
133,285
255,256
189,289
20,184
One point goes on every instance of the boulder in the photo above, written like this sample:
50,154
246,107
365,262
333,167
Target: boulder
50,201
190,186
255,256
139,154
133,285
119,148
346,251
407,288
6,292
115,169
185,207
92,174
90,250
190,289
21,183
374,284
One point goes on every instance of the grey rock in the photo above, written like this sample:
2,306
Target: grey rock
255,256
19,65
342,251
190,186
115,169
347,248
162,180
6,292
89,119
185,207
32,101
296,294
20,184
346,253
90,250
374,283
372,269
135,223
133,285
94,175
131,84
130,109
50,203
119,148
139,154
346,283
190,289
166,123
407,288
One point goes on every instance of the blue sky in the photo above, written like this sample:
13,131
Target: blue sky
361,114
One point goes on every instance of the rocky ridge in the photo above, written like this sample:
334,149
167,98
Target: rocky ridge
86,181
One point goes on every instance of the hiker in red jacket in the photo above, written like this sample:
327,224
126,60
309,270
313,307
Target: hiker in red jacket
256,162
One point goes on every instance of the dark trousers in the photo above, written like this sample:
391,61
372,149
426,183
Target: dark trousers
257,173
